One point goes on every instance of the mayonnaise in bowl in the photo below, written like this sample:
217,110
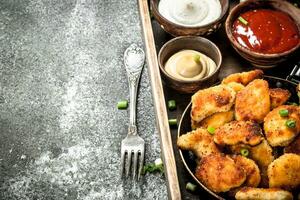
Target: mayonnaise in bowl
190,65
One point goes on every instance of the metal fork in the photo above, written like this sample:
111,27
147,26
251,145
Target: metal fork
133,145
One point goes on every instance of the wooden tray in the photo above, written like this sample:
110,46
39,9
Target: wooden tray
154,38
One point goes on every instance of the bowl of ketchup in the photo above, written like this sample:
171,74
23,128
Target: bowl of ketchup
264,32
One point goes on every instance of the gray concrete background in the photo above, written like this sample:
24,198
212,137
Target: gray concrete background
61,75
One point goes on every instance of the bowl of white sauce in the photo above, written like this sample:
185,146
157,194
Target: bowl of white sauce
190,17
189,63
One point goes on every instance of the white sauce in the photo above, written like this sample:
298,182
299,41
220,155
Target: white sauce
182,65
190,13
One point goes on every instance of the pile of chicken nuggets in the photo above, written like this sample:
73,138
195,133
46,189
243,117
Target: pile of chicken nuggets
245,114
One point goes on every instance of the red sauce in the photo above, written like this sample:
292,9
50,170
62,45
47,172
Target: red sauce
267,31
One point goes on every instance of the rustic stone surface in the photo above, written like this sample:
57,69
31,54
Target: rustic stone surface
61,75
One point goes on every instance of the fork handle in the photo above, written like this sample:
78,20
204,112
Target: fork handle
133,79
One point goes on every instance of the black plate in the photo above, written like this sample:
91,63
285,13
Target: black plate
188,158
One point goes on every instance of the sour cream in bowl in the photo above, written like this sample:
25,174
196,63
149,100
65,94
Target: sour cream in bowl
190,13
190,17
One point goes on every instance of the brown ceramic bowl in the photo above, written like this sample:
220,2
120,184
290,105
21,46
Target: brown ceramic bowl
261,60
179,30
200,44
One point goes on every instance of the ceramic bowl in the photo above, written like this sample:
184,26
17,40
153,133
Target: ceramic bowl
179,30
261,60
200,44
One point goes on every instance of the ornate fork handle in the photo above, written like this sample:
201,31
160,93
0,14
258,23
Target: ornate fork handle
134,62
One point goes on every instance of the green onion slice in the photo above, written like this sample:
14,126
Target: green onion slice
290,123
191,187
122,104
158,162
197,58
243,21
283,112
244,152
173,122
152,167
172,104
211,130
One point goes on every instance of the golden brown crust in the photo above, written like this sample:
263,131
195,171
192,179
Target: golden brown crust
262,154
209,101
249,193
251,169
276,131
218,119
253,102
244,77
293,147
220,173
284,172
236,86
236,132
198,141
278,97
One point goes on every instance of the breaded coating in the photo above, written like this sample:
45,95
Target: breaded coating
244,77
220,173
235,132
284,172
276,130
293,147
278,97
199,141
253,102
195,125
236,86
211,100
262,154
218,119
250,193
251,169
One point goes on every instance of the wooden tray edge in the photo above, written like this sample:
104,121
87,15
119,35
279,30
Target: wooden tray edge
159,103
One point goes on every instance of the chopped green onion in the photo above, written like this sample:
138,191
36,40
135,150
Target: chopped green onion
243,21
172,104
283,112
173,122
244,152
153,168
290,123
122,104
211,130
197,58
191,187
158,162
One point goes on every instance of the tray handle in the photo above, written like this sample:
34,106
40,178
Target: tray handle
294,76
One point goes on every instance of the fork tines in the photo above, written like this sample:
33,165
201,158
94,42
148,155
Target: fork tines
132,150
